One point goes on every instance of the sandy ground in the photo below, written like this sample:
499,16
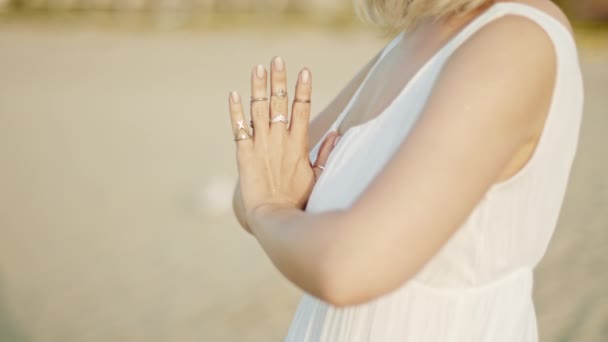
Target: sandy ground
116,170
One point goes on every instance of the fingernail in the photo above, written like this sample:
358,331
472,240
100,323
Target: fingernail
336,140
235,97
260,71
305,76
278,63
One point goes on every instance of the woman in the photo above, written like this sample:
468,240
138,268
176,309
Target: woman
425,220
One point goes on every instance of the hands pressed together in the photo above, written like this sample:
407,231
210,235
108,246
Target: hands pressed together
272,148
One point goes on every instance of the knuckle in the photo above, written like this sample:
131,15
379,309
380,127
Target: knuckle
243,151
259,114
279,75
278,104
259,89
278,82
302,111
259,110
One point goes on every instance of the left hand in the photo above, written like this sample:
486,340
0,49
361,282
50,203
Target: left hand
273,163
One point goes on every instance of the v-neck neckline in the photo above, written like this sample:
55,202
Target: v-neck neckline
386,50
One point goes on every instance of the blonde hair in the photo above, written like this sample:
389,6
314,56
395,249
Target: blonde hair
402,15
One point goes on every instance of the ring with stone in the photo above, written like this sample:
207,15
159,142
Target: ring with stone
280,94
279,118
242,136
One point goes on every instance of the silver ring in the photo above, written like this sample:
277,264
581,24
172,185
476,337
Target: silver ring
280,94
301,101
243,136
320,167
258,99
279,118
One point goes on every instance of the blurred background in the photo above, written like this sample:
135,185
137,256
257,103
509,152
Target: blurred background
117,169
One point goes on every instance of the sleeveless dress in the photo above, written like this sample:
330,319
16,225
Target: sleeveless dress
478,287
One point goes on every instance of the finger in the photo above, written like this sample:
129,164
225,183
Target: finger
259,107
324,151
278,91
300,112
240,130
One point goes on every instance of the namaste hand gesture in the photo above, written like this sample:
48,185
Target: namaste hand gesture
273,163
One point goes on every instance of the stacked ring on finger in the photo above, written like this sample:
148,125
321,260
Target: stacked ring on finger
259,99
320,167
242,136
301,101
279,118
280,94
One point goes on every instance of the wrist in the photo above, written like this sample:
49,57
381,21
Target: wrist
269,209
269,215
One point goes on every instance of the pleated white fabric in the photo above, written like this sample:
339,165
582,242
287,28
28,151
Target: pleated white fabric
479,286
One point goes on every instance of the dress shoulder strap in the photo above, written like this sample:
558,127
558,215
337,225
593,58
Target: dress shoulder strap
556,30
387,48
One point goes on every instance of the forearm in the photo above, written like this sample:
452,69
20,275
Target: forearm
301,245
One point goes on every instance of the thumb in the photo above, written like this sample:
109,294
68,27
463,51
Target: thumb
324,151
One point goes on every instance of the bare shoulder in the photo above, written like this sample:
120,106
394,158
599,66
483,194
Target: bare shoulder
508,44
515,44
510,63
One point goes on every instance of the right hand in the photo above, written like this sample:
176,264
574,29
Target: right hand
325,150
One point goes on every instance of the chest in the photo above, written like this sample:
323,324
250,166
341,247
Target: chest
401,66
364,149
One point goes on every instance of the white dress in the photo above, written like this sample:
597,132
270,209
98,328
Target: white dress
479,286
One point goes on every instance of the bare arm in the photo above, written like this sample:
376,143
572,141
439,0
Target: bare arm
485,105
318,126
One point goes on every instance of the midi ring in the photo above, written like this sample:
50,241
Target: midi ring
258,99
321,167
301,101
243,136
279,118
280,94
